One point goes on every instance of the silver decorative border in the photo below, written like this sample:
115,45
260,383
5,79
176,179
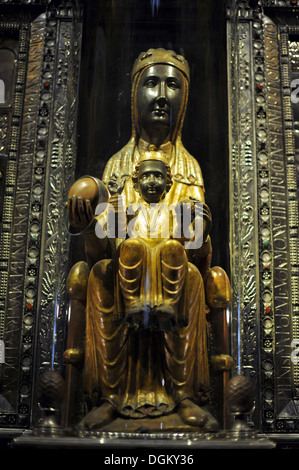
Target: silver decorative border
243,222
256,41
48,149
61,72
14,234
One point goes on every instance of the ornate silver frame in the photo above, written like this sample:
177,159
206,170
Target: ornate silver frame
40,162
264,208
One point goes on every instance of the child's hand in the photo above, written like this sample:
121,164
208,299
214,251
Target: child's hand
116,185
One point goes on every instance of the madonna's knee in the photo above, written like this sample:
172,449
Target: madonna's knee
102,273
131,252
173,253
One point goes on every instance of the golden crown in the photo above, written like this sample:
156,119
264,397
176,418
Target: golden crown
153,155
161,56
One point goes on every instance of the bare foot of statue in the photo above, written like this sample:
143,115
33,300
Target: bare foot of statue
197,416
160,317
137,315
163,317
99,416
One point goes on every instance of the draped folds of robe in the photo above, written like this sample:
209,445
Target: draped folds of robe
145,372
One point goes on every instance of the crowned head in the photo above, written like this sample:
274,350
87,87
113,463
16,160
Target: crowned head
152,176
159,95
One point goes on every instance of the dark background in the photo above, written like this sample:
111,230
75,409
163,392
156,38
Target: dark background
115,32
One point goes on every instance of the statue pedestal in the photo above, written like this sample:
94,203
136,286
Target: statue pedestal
116,441
169,424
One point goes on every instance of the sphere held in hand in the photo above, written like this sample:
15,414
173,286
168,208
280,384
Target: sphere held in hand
91,189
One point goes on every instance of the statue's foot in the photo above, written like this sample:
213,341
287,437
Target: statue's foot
197,416
136,315
98,417
163,317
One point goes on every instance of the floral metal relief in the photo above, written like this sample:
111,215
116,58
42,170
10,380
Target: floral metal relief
243,226
272,194
34,240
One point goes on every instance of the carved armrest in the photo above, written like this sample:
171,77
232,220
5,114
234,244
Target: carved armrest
222,363
74,356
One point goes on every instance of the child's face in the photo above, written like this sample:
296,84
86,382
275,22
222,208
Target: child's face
152,180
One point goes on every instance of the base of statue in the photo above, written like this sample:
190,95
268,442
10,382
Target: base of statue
169,423
187,417
153,441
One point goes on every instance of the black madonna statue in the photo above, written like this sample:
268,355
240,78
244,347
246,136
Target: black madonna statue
149,374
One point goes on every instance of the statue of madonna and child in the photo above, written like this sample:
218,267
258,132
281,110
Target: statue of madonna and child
139,302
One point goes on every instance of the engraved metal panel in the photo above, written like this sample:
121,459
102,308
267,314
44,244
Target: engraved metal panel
37,165
11,318
269,35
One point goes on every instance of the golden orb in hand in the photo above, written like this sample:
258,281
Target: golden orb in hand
91,189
